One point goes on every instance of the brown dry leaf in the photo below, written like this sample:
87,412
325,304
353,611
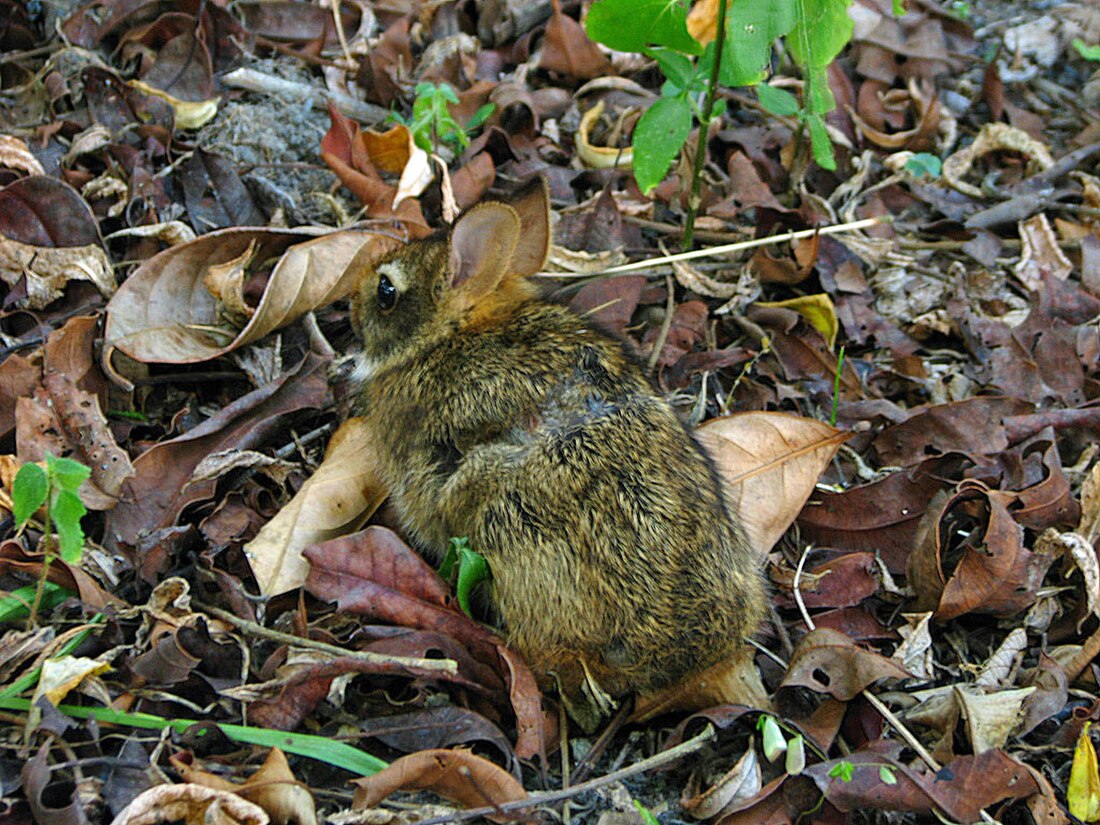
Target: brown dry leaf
973,558
991,717
396,152
1040,252
47,270
770,463
845,668
190,803
925,102
162,486
458,775
273,787
567,50
164,312
342,494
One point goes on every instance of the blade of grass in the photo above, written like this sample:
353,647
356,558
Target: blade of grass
16,604
29,679
323,749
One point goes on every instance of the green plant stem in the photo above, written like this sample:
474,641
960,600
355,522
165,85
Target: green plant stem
32,619
704,128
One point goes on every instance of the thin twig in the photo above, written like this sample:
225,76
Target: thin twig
448,666
656,761
666,325
736,247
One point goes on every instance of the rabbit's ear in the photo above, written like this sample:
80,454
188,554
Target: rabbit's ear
532,204
482,244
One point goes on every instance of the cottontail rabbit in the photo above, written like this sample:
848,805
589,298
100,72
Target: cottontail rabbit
515,422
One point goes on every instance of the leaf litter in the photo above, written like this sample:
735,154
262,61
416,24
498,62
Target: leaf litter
174,252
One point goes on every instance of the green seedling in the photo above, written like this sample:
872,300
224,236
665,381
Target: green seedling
647,815
432,123
814,30
465,568
1087,52
924,164
54,490
845,770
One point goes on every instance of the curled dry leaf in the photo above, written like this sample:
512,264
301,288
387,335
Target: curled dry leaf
599,157
273,787
991,572
458,775
993,137
991,717
190,803
14,154
827,661
733,681
1040,252
165,313
770,463
743,781
334,501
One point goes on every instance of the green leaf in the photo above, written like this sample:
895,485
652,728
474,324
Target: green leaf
820,143
777,101
886,774
822,30
658,138
66,511
678,68
773,740
631,25
66,473
480,116
795,762
28,492
751,28
322,748
1087,52
647,815
16,605
924,164
842,771
898,8
472,571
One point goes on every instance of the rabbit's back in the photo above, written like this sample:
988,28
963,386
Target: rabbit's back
602,519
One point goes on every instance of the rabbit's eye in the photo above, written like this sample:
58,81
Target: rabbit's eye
387,294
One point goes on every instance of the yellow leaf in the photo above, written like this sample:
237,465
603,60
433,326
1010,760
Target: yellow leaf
189,114
818,310
1083,793
702,22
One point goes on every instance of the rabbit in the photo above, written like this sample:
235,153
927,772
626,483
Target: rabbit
615,557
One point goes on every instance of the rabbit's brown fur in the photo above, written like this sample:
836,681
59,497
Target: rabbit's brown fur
516,423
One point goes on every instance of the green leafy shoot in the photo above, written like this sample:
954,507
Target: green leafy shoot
631,25
924,164
843,771
466,568
432,123
886,774
54,489
647,816
1087,52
